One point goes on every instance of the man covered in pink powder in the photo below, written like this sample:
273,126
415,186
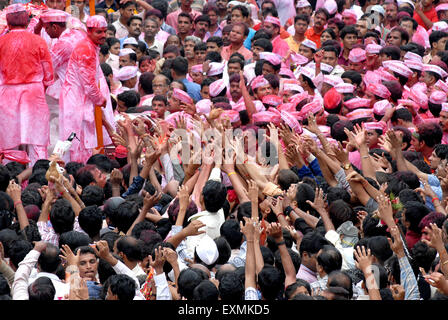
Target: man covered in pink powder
25,72
85,87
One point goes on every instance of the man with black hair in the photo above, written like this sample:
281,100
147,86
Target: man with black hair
349,37
179,70
127,10
309,247
301,23
150,28
130,250
91,221
46,256
321,17
212,199
328,259
201,25
238,34
185,7
214,44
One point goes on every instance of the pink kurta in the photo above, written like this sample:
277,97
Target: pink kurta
83,88
25,68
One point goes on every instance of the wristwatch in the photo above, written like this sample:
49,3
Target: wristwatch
346,166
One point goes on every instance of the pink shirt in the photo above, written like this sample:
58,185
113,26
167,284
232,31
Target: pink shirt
171,19
280,46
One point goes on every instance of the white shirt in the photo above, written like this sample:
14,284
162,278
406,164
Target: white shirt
121,30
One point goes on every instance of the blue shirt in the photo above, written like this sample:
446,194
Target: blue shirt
193,89
248,42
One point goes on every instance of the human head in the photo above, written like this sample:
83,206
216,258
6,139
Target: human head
87,263
49,259
135,26
42,289
184,24
120,287
349,37
62,216
91,220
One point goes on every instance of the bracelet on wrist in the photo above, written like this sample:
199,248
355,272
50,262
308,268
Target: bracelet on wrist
17,203
288,210
434,199
280,243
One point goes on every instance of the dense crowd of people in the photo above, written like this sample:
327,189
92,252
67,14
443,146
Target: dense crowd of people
224,150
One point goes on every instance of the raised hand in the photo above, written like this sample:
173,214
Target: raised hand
159,260
396,244
253,191
363,259
69,256
116,177
14,191
193,228
275,230
149,201
184,197
319,203
435,236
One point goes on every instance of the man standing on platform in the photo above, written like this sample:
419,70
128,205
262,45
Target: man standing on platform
25,72
84,88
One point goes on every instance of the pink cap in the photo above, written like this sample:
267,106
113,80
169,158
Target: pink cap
54,15
308,71
96,21
232,115
303,4
419,96
438,97
357,55
299,97
271,57
326,67
291,121
126,73
290,107
216,87
381,106
444,107
379,90
331,6
204,106
332,99
299,59
14,8
272,100
266,116
385,75
441,85
182,96
371,77
413,56
350,14
286,72
313,107
439,26
442,7
359,113
373,48
398,67
292,87
215,68
401,102
373,126
310,44
357,103
273,20
412,64
332,80
259,81
196,68
344,88
125,51
435,69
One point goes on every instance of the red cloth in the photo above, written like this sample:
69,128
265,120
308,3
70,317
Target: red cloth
280,46
412,238
25,68
431,15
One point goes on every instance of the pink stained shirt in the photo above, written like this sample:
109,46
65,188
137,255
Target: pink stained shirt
171,19
280,46
227,52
